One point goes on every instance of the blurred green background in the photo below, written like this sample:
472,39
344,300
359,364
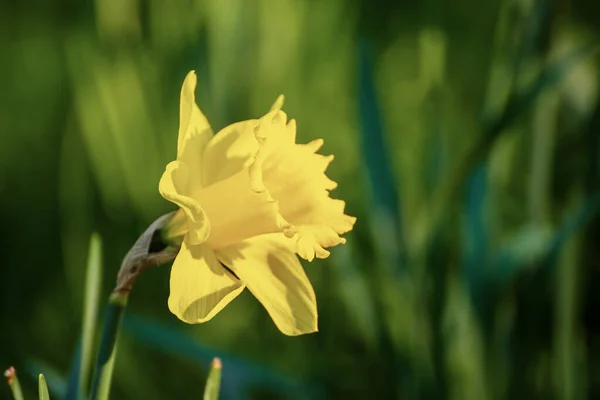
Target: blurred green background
467,143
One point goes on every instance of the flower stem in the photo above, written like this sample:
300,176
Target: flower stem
13,383
143,254
106,355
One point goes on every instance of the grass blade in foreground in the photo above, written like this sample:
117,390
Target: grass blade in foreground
90,311
13,382
213,383
106,354
79,375
56,383
43,388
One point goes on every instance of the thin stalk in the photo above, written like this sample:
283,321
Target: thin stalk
43,388
213,383
149,250
90,314
13,383
565,306
544,132
108,347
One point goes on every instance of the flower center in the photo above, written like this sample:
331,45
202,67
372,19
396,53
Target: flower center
237,212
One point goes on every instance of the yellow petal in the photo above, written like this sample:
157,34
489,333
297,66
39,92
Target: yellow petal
295,176
229,151
235,147
238,210
194,129
200,286
269,268
174,186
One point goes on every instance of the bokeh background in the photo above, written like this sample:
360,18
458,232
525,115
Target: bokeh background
466,137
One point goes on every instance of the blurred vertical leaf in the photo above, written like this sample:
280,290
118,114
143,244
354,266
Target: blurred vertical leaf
113,110
213,382
476,238
385,204
54,380
356,293
43,388
231,28
569,378
105,362
91,303
519,102
541,248
80,368
13,382
73,390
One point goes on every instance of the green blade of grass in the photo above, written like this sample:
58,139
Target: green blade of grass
90,311
43,388
13,382
79,375
57,384
213,383
108,347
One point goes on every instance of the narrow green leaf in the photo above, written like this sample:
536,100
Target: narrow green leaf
108,347
56,382
90,311
213,383
356,294
43,388
73,389
13,382
106,378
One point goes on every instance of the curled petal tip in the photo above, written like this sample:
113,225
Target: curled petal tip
190,80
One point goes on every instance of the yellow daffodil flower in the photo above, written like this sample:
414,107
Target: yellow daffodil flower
250,199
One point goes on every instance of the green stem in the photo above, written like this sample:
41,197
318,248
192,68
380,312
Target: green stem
13,383
90,311
213,382
106,354
569,382
43,388
144,253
